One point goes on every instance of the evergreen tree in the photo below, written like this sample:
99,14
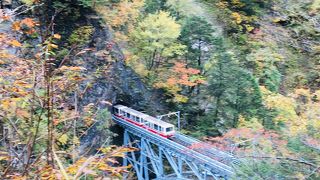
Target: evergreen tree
152,6
197,35
235,92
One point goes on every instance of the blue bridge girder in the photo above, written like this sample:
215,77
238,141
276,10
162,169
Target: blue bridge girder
157,153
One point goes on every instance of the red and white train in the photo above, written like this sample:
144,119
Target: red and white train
144,121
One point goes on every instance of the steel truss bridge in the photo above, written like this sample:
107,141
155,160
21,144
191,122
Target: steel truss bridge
178,158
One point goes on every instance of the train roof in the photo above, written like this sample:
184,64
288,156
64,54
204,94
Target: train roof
144,116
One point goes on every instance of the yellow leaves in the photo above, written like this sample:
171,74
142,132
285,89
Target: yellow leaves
10,104
180,98
252,123
222,4
15,43
101,163
52,46
127,10
286,110
248,27
16,26
5,104
71,68
237,3
297,111
57,36
76,140
276,19
4,156
315,7
4,55
63,139
237,17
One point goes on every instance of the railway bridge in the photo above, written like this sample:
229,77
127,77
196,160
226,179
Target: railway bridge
178,158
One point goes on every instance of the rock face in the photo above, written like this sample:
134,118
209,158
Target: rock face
115,83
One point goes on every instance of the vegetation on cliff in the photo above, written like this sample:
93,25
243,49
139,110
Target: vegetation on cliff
245,74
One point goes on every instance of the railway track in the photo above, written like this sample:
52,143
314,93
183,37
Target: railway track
204,149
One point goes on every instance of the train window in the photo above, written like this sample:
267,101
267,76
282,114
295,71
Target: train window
147,124
156,127
115,110
128,115
121,112
160,128
138,119
169,129
135,118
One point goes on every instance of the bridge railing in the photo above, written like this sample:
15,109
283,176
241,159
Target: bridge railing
214,165
207,149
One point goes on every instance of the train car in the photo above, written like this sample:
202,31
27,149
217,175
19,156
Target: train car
144,121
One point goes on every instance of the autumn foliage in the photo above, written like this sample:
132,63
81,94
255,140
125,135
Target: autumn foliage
179,77
40,117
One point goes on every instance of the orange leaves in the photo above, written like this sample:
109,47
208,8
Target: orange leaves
22,113
183,75
18,177
47,172
179,76
16,26
181,68
22,84
28,22
26,25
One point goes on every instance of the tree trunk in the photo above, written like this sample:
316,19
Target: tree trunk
152,59
199,57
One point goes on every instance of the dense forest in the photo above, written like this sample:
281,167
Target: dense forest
245,75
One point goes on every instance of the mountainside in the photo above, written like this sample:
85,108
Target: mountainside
245,75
